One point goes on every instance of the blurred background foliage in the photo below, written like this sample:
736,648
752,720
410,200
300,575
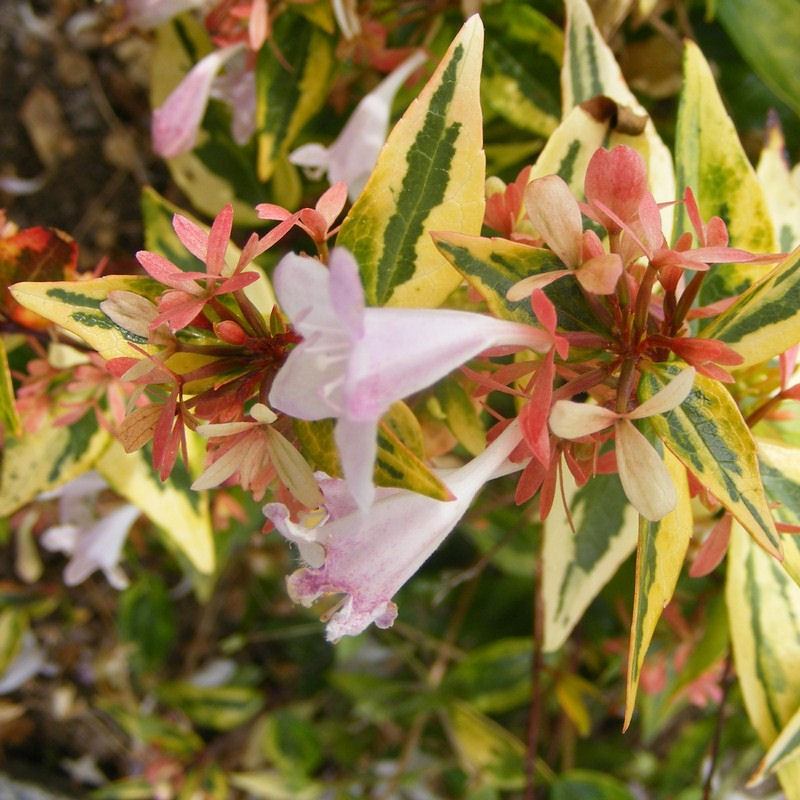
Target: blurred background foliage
191,687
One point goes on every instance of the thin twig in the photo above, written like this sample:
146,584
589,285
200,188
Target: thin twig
715,744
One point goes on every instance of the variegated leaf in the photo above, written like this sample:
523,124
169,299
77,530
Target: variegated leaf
429,176
182,514
75,306
13,627
782,196
580,555
764,614
659,558
400,452
765,321
784,749
9,418
493,266
710,159
287,98
779,464
708,434
44,460
589,70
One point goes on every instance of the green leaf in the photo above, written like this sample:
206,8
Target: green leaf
582,553
38,462
766,34
273,785
219,707
286,99
589,70
659,559
9,418
146,620
13,625
494,678
485,748
494,265
583,784
765,320
764,613
292,743
208,781
708,434
461,416
168,737
710,160
429,176
183,514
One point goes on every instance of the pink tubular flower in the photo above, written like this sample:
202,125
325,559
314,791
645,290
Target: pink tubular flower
176,122
354,153
369,555
644,477
354,362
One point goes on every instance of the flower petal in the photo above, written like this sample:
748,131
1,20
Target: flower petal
645,478
571,420
357,443
671,396
556,217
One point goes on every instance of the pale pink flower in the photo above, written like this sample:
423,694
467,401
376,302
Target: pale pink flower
353,155
354,362
644,476
369,555
177,120
92,542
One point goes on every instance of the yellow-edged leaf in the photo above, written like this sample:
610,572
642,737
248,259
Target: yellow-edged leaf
581,555
659,558
287,98
493,266
764,613
765,320
781,195
181,513
708,434
589,70
44,460
710,159
429,176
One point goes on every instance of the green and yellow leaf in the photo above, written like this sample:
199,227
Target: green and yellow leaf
182,514
13,625
765,320
580,555
780,193
710,159
220,708
286,99
589,70
429,176
493,266
9,417
44,460
764,613
659,559
400,451
708,434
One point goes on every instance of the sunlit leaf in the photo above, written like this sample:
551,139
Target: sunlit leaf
659,558
288,98
580,555
710,160
782,196
429,176
764,609
765,321
181,513
708,434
